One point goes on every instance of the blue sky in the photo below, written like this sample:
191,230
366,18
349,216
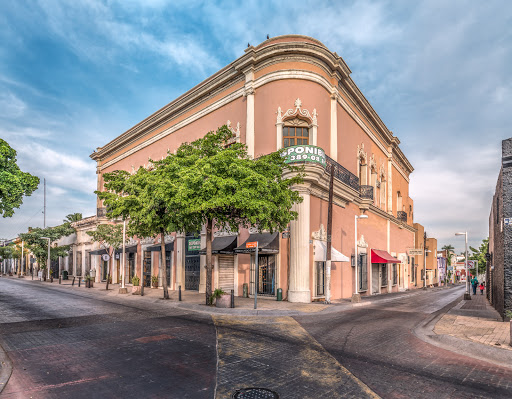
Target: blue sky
75,75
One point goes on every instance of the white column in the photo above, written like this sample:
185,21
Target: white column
180,261
299,247
334,128
249,130
279,135
389,187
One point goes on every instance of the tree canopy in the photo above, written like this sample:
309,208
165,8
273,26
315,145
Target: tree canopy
39,246
210,182
14,184
479,255
110,237
449,250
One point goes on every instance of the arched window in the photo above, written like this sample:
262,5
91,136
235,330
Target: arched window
296,126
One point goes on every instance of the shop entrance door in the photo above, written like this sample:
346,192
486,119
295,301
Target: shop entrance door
192,263
146,269
375,278
226,273
267,273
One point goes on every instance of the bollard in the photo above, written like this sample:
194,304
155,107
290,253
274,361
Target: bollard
279,294
73,283
232,298
142,286
179,293
245,290
79,281
60,279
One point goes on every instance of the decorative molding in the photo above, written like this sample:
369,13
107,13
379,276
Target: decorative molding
361,243
373,164
321,234
147,240
382,172
296,113
131,242
225,232
236,133
361,155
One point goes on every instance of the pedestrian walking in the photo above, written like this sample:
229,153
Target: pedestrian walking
482,288
474,283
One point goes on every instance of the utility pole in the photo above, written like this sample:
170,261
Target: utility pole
329,239
424,260
44,205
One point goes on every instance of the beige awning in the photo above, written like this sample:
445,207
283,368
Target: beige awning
320,248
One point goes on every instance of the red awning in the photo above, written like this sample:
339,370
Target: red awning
379,256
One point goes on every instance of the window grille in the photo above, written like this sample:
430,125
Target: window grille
362,271
384,279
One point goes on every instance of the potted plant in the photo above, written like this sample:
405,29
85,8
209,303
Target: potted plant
136,286
222,299
154,281
89,281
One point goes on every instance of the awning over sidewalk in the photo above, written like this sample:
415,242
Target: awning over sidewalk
102,251
168,247
267,244
321,253
128,250
222,245
380,256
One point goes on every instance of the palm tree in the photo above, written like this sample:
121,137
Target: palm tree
73,217
449,249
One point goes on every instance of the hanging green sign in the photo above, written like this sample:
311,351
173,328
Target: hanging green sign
194,244
304,153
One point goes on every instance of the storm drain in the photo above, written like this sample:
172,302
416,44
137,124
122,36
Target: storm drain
255,393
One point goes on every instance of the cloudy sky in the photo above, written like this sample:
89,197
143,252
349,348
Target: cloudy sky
76,74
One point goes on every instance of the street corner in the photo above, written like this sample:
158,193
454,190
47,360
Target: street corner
5,368
278,354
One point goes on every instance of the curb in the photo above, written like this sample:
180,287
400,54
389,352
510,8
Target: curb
475,350
5,368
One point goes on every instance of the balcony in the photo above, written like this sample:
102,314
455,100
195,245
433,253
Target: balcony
342,174
366,192
401,215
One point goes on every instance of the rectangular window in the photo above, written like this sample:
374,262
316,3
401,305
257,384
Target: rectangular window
362,272
384,279
320,278
395,274
295,136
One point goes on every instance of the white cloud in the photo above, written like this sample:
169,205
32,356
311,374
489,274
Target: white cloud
11,106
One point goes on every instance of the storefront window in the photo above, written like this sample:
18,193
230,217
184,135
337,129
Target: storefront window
266,275
320,278
362,271
384,280
295,136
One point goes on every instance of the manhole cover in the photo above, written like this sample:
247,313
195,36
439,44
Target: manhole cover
255,393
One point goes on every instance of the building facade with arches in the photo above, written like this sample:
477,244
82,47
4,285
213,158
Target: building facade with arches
291,94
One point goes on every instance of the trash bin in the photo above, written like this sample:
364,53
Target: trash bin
65,275
245,290
279,294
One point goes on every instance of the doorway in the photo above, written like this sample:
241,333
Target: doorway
375,278
192,262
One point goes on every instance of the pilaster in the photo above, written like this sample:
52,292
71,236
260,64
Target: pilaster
334,128
249,95
299,246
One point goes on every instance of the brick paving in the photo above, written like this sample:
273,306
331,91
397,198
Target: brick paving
476,320
377,344
278,354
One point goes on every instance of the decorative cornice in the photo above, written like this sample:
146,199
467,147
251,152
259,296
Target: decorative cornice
297,112
361,243
321,234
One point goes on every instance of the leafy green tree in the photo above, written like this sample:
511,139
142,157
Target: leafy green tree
213,182
449,250
479,255
14,184
39,246
110,237
139,199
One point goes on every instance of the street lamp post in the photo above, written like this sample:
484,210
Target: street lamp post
467,295
356,297
48,261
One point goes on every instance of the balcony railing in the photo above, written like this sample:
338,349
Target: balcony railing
342,174
401,215
367,192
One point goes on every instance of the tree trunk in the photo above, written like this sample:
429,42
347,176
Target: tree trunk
164,265
209,267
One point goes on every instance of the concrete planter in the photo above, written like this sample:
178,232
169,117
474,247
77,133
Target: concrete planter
224,301
136,290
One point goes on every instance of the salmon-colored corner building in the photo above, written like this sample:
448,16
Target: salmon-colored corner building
290,92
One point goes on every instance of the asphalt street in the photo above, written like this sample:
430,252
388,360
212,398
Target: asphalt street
67,343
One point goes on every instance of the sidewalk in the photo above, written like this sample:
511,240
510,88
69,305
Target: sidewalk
194,301
475,320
